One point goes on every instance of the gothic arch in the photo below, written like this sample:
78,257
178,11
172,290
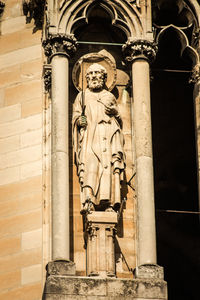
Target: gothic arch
122,14
186,49
191,6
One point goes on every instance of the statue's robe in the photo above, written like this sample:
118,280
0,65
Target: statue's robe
99,147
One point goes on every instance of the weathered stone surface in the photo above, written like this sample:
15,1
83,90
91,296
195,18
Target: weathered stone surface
61,267
65,288
150,272
138,288
75,286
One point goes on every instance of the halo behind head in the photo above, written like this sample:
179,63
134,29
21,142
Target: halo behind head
94,61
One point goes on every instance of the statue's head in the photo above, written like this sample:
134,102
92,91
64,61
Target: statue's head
96,76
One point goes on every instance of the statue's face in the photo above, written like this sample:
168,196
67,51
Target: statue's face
95,80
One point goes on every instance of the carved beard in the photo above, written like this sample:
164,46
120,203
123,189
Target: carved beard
95,84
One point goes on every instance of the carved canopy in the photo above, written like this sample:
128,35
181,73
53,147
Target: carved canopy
124,14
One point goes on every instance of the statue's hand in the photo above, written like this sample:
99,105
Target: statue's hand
111,110
82,121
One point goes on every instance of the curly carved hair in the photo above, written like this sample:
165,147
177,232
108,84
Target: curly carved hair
99,68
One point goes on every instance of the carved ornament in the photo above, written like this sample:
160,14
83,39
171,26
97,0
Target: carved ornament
2,6
47,77
196,37
60,43
34,9
135,2
140,49
195,76
92,230
81,66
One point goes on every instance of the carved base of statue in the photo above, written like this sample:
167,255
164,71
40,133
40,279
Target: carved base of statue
100,229
105,205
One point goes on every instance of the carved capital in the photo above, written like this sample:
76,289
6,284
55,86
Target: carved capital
195,76
47,77
2,6
60,44
140,49
111,230
92,230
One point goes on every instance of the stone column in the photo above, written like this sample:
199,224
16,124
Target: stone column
140,53
58,49
195,79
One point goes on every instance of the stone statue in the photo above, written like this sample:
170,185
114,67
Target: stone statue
98,143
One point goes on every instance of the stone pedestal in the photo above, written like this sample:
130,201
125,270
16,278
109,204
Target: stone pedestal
149,272
99,238
61,268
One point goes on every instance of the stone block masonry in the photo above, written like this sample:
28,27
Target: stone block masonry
21,186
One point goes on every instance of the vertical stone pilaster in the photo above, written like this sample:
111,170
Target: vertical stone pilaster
110,242
58,49
140,53
92,232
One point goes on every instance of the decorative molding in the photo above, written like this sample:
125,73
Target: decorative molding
47,77
34,9
59,43
195,75
2,6
140,49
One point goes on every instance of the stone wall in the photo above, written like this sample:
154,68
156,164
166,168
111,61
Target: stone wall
21,192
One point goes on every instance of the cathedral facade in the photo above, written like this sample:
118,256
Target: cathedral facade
99,149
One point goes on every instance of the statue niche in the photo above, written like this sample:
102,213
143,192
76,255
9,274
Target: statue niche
97,134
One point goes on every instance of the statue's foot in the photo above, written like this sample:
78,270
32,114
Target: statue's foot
116,207
88,207
110,209
83,211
